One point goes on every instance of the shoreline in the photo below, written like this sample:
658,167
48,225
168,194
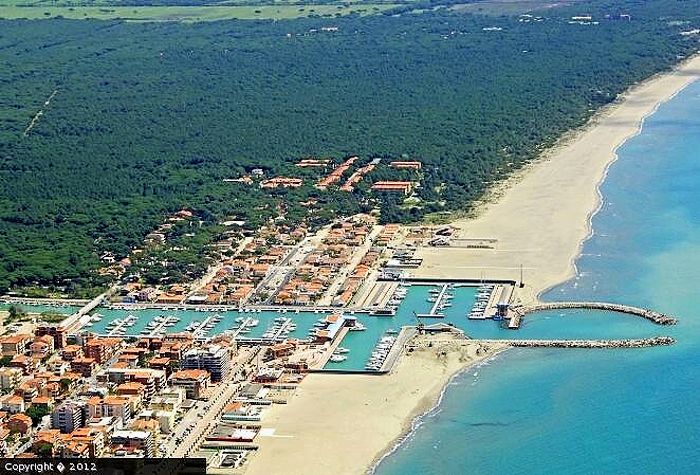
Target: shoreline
329,411
542,217
550,203
418,419
615,157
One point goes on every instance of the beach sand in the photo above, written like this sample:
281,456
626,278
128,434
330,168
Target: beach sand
541,216
339,424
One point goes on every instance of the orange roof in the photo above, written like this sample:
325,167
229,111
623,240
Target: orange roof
21,418
42,400
191,374
233,406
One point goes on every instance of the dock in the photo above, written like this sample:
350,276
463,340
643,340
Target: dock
245,324
160,327
438,301
201,329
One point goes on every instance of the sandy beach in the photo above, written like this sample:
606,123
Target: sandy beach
340,424
541,216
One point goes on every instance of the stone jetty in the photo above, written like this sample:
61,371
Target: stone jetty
517,312
627,343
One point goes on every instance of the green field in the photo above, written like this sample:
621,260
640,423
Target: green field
189,13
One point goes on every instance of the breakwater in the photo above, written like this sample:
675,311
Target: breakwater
626,343
651,315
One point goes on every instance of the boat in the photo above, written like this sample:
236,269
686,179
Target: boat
253,323
340,350
358,327
391,331
337,358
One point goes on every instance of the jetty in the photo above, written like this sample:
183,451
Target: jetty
626,343
515,314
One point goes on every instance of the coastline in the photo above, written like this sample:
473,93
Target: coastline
343,424
615,156
542,217
417,419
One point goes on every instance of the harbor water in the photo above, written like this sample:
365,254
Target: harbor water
543,411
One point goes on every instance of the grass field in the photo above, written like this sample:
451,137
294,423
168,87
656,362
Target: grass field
509,7
188,13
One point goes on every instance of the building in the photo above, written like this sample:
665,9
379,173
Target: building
215,359
110,406
193,381
10,378
153,380
404,187
84,366
21,423
313,163
57,332
68,416
237,411
13,404
130,441
406,165
284,182
101,349
14,344
42,346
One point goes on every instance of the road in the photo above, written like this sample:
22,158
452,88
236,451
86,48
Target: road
205,414
329,295
198,421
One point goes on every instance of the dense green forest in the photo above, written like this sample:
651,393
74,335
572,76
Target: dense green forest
149,118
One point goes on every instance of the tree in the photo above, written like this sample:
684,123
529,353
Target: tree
37,413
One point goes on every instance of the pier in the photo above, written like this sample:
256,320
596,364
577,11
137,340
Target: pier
438,301
280,332
161,326
516,313
244,325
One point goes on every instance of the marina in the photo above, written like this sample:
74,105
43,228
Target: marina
464,306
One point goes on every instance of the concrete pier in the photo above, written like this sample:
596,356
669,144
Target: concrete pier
438,301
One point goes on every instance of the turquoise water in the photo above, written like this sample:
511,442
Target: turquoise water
603,411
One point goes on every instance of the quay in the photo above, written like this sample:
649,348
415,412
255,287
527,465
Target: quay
397,349
627,343
516,313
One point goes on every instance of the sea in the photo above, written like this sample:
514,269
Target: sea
564,411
